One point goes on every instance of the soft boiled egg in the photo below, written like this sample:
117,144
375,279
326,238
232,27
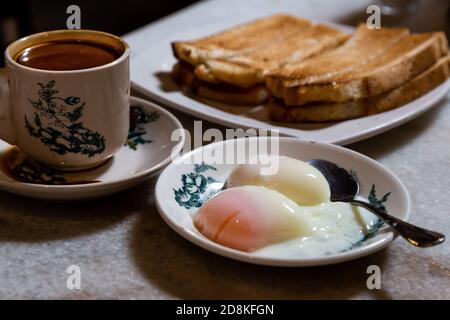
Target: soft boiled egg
250,217
286,213
294,178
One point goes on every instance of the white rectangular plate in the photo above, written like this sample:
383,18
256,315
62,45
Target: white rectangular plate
150,76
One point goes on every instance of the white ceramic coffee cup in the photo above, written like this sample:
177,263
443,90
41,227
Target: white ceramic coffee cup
69,120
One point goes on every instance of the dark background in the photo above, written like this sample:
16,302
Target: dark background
19,18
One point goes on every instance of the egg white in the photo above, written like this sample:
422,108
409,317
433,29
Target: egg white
336,227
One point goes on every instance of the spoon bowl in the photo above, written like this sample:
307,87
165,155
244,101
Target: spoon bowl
344,186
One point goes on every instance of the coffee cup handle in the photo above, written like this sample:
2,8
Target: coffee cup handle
6,126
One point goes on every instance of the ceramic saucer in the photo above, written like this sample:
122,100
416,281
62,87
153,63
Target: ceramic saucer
148,149
184,186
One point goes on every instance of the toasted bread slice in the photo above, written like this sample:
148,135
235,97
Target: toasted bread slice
324,112
409,57
253,96
244,38
184,75
413,89
363,46
316,112
248,69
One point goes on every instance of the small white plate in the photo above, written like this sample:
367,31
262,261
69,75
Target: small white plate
150,75
148,150
183,186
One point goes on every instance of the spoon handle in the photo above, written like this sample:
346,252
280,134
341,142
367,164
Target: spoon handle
415,235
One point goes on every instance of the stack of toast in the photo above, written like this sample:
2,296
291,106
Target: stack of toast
306,72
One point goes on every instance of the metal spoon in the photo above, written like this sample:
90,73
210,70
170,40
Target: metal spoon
344,188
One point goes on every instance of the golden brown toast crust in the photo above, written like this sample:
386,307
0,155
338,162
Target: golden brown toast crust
409,57
244,38
248,69
325,112
184,75
362,47
413,89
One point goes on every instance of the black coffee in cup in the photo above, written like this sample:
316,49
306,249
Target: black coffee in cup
67,55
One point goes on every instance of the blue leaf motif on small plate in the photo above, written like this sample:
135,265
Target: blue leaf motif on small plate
194,191
137,133
380,203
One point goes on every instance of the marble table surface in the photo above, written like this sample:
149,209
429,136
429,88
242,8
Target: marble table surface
125,251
